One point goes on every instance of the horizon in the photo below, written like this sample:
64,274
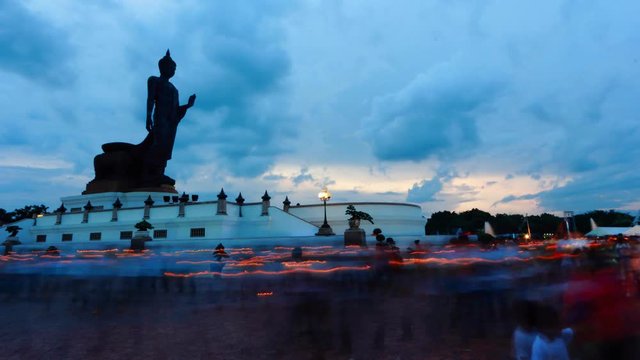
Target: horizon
508,108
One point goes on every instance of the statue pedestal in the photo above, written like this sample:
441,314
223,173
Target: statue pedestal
138,240
8,244
355,237
12,240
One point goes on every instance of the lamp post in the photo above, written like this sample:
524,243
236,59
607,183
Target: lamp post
325,229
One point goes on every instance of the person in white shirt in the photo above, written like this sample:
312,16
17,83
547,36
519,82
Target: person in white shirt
524,333
552,342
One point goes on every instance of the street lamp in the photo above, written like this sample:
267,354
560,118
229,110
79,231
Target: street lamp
325,229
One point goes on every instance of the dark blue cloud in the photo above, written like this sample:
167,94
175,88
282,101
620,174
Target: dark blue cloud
426,190
389,193
608,188
434,115
303,176
603,190
244,69
32,47
273,177
238,66
510,198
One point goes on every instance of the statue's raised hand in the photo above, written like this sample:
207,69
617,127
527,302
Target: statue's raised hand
192,100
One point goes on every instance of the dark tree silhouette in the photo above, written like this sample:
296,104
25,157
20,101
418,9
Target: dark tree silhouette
26,212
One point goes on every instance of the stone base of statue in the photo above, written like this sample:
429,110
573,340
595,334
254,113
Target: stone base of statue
325,230
139,239
103,186
124,167
355,237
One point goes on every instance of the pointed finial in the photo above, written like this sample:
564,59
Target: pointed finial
222,195
240,199
117,204
149,201
266,196
88,206
61,209
286,201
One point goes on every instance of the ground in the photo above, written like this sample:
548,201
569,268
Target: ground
418,312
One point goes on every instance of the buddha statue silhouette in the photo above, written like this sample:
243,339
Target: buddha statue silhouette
127,167
163,116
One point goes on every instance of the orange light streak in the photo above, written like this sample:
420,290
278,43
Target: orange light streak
263,272
270,293
306,263
475,260
135,251
92,256
195,262
15,258
247,262
96,251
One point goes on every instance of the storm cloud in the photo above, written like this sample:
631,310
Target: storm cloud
531,105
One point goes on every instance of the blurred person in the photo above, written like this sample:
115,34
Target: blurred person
551,342
380,242
623,257
376,232
417,247
525,333
596,306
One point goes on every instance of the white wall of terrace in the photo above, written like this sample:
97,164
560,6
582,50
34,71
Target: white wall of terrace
197,215
397,219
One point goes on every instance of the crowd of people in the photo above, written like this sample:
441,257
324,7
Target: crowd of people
599,302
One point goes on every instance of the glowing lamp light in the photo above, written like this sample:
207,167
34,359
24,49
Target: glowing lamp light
324,195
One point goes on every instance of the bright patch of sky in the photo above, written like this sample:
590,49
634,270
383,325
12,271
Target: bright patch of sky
504,106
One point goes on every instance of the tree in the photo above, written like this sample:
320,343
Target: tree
143,225
473,220
609,218
509,224
360,215
26,212
544,223
5,217
13,230
441,222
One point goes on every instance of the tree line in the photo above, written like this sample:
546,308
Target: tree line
472,221
26,212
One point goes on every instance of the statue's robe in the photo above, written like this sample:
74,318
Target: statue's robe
167,114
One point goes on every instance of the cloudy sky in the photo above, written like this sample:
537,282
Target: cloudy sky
509,106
